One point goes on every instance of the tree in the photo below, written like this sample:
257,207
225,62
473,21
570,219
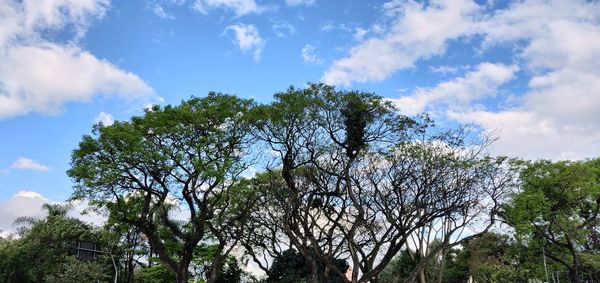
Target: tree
354,179
455,269
129,248
157,273
558,210
490,259
291,267
230,271
45,250
184,159
74,270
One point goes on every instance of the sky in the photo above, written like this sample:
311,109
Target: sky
527,71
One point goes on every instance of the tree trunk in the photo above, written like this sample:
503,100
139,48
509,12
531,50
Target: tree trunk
214,269
576,274
422,276
315,271
442,267
181,276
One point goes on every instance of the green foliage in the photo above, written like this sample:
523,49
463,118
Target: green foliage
157,273
558,209
45,250
187,157
455,267
289,267
292,267
345,156
74,270
399,268
488,259
229,271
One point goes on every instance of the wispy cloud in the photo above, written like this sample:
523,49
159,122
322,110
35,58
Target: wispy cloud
309,56
247,38
28,164
238,7
105,118
159,11
300,2
283,28
360,33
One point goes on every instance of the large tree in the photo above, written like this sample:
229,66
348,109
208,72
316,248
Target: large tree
353,179
558,209
183,160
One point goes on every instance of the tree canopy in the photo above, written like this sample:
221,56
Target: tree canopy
318,185
558,210
184,159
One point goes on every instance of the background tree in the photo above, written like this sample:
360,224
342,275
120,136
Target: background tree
558,209
358,179
130,249
456,268
291,267
156,273
45,250
184,158
74,270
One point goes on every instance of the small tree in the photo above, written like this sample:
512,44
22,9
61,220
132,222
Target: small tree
186,159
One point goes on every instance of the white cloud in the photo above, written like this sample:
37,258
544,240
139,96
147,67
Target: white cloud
555,44
43,78
26,163
559,43
29,204
526,134
159,11
283,28
300,2
238,7
417,31
309,56
445,70
331,26
23,203
30,194
458,92
38,75
105,118
360,33
247,38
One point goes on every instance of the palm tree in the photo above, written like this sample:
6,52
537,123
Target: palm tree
53,210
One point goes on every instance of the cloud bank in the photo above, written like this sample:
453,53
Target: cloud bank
555,49
41,75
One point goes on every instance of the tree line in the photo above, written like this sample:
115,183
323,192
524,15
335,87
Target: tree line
320,185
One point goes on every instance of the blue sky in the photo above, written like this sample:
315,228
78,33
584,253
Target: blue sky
528,71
